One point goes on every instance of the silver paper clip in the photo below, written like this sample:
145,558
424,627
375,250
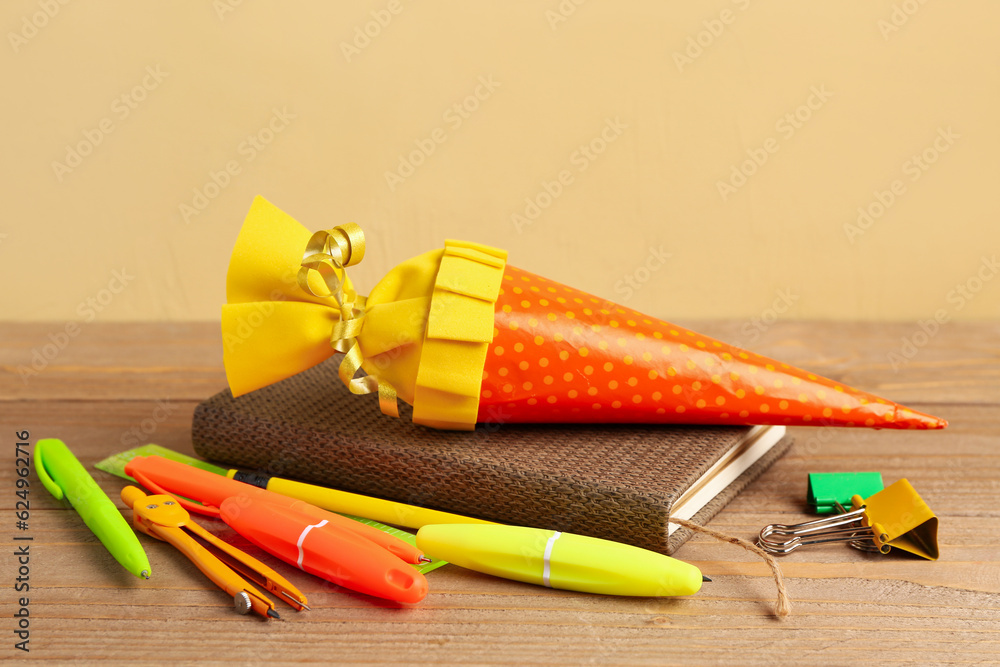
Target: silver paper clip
847,527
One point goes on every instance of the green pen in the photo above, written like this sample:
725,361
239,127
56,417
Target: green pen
64,477
560,560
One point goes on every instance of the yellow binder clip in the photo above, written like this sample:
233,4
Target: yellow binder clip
894,517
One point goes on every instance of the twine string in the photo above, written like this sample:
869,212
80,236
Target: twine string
783,607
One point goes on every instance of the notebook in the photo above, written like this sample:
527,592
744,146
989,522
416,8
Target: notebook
617,482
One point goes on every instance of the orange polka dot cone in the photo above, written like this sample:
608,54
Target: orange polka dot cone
464,337
562,355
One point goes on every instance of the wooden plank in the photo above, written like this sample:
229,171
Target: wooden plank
959,362
847,605
184,360
828,584
111,360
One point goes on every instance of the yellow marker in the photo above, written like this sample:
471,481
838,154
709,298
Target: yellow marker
560,560
385,511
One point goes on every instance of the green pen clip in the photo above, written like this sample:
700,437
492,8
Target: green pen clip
831,492
43,473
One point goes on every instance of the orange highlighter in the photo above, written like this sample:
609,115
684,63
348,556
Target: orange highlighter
328,545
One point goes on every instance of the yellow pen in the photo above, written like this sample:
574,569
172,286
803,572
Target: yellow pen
343,502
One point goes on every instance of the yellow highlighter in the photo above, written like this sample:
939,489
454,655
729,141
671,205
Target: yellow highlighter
560,560
385,511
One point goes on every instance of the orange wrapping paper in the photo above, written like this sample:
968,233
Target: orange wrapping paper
562,355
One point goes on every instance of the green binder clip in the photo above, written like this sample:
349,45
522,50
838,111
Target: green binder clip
831,492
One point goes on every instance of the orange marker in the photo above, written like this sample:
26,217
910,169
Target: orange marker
324,549
331,546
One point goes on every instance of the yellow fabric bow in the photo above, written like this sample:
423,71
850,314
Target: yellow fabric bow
422,333
268,300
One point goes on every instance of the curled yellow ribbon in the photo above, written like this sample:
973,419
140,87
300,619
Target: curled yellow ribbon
328,253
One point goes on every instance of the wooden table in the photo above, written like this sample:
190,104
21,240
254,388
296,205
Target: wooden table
111,385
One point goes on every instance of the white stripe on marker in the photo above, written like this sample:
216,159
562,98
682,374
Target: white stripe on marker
547,563
302,538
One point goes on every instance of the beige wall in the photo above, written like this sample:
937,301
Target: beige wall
170,93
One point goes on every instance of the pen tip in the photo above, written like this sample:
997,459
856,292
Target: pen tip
273,614
425,559
144,574
704,578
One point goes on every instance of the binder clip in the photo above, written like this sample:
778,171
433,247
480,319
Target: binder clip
895,517
829,492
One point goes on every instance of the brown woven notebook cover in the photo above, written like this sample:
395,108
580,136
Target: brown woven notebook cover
616,481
